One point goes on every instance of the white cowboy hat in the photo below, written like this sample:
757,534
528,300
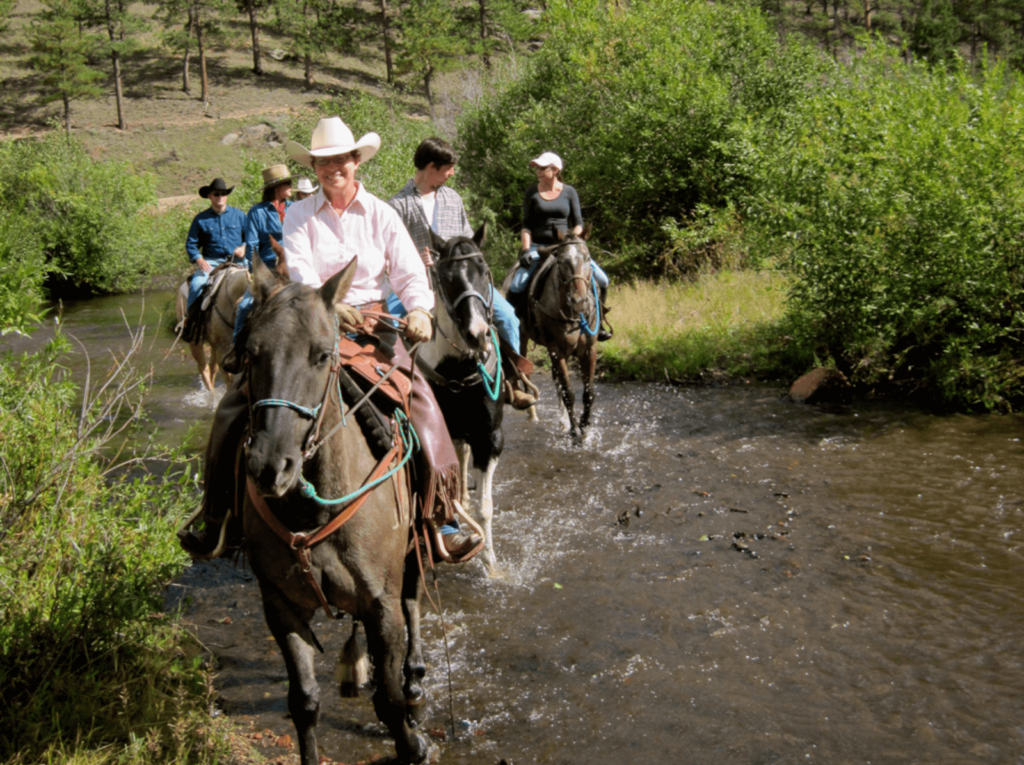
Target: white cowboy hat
306,186
331,137
547,159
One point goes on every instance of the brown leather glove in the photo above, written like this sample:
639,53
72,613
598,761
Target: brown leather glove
421,326
349,318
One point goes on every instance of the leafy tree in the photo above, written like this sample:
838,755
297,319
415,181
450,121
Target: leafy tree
61,53
430,41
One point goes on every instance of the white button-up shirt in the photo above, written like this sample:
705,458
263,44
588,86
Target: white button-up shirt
318,243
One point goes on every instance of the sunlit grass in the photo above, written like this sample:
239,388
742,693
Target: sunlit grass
729,323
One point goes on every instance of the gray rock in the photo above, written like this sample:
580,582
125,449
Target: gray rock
229,139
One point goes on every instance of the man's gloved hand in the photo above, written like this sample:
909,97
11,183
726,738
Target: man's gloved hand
349,318
420,328
524,259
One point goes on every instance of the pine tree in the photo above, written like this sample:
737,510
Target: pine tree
61,53
936,31
430,41
119,25
252,8
313,28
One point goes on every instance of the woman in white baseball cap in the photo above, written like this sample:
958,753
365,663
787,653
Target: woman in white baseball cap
551,207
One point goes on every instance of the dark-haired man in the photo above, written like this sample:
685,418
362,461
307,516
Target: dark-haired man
216,236
426,203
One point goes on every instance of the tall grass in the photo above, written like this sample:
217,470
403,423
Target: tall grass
725,323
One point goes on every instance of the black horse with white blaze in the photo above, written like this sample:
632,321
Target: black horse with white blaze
463,364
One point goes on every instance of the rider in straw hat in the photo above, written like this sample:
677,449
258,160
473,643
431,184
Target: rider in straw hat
322,234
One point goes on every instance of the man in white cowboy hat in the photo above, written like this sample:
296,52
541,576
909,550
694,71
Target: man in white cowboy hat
304,188
322,234
426,203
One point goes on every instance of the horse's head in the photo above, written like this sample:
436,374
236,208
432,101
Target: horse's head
464,290
573,269
290,350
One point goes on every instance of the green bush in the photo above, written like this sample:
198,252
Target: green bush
900,191
84,216
654,108
88,661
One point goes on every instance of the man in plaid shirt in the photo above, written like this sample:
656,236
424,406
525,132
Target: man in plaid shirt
426,203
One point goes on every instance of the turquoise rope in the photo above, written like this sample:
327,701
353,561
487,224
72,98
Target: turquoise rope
584,324
310,413
492,384
411,442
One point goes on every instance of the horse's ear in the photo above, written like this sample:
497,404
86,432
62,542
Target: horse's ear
480,234
263,280
586,233
436,242
334,289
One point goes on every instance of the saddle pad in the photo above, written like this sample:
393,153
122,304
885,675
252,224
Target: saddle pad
371,364
212,287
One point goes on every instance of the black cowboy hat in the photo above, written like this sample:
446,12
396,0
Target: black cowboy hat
218,185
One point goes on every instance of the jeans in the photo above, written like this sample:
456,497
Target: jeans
198,280
505,319
523,275
242,313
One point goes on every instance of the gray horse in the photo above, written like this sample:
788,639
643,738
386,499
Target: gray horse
219,322
365,567
563,315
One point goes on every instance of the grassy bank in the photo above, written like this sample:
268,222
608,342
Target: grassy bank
723,324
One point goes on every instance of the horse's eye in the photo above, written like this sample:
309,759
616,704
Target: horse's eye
323,358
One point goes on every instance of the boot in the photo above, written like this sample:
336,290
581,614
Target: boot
605,331
519,399
229,426
461,543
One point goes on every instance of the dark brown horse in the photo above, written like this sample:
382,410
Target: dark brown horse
563,316
365,567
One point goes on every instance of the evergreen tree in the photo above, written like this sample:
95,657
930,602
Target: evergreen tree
119,25
313,28
252,8
936,31
430,41
61,54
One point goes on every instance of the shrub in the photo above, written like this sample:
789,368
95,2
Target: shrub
900,190
87,659
654,109
82,215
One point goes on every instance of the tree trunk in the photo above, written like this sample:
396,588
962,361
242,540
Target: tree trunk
309,70
202,61
188,53
67,117
385,24
430,96
483,32
868,10
115,59
254,28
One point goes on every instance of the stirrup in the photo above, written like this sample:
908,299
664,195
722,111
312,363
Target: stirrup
185,529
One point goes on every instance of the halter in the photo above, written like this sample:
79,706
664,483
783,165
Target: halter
579,322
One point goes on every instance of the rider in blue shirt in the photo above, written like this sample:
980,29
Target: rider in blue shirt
215,236
263,230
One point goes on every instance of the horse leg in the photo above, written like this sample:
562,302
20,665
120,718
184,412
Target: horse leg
353,665
415,669
487,514
560,373
199,354
462,448
588,365
387,640
295,640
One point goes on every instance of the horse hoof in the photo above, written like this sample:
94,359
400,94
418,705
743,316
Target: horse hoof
417,750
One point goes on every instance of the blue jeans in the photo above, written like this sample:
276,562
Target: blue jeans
523,275
198,280
244,309
505,319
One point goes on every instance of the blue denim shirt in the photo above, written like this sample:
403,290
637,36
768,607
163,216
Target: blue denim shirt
213,236
261,223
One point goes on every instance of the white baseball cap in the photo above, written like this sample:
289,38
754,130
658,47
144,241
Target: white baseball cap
547,159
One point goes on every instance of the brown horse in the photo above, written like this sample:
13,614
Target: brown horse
365,567
219,324
563,315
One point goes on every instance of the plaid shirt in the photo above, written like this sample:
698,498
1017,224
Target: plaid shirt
448,211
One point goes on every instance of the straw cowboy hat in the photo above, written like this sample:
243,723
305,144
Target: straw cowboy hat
306,186
218,184
275,175
547,159
332,137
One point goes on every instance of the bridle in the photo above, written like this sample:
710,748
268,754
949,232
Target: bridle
451,305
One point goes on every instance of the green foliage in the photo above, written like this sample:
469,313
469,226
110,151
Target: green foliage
84,216
900,190
87,658
936,31
430,41
655,110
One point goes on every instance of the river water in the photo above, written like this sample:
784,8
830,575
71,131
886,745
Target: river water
717,576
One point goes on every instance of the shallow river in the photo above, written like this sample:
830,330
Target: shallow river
871,609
